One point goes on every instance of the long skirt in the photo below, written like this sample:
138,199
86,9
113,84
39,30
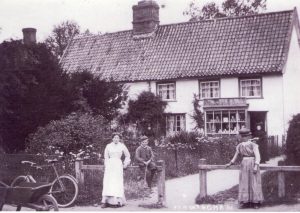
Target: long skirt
113,186
250,189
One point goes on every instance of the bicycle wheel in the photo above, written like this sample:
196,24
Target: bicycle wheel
64,190
18,180
48,203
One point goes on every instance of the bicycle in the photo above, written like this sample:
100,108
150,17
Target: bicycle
64,187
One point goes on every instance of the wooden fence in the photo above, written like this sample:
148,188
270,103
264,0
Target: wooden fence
203,168
161,188
276,145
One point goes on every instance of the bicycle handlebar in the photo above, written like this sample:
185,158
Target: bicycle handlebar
29,162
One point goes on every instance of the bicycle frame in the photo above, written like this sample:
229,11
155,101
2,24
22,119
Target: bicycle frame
58,176
60,184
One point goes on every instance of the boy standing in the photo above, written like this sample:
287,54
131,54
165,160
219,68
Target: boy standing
144,156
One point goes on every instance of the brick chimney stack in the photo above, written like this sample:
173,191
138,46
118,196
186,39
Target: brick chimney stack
29,36
145,17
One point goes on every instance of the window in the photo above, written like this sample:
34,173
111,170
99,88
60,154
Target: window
224,121
209,89
250,87
166,91
175,123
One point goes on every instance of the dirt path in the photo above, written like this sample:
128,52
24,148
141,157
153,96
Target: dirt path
181,194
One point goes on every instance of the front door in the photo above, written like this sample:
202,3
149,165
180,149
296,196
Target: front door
257,117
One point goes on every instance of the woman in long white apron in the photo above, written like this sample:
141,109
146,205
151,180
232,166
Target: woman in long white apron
113,184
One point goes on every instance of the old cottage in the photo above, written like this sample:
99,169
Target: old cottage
244,69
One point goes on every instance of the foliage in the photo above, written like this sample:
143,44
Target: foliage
229,8
148,113
293,141
182,151
32,91
198,115
97,95
76,134
61,35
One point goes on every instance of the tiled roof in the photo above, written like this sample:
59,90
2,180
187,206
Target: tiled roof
254,44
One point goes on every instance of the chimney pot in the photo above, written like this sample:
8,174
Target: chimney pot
145,17
29,36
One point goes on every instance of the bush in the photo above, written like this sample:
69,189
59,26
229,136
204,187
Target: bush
78,134
182,152
293,141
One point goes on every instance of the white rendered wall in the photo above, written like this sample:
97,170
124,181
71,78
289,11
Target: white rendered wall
184,97
271,102
291,81
229,87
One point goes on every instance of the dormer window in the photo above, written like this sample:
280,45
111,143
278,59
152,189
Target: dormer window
166,91
250,88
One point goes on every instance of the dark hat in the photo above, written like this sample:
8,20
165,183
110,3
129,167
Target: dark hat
244,132
144,137
259,124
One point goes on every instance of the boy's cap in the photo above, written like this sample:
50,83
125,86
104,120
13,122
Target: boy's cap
144,137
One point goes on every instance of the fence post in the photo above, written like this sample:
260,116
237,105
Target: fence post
78,171
161,185
203,179
281,181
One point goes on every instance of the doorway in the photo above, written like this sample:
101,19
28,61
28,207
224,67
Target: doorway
258,117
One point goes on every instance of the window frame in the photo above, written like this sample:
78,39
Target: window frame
227,120
175,122
208,81
166,83
251,78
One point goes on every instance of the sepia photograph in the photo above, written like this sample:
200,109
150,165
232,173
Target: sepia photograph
150,105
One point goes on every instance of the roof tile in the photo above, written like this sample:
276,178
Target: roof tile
229,46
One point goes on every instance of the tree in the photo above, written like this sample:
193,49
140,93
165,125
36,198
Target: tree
148,113
229,8
197,116
60,36
97,95
32,91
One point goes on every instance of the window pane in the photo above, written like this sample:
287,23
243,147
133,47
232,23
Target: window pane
166,91
175,123
209,89
250,88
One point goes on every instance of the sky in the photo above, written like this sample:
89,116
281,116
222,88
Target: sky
96,15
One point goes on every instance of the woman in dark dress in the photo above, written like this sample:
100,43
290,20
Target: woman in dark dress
262,142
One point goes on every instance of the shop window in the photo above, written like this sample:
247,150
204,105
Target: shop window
224,121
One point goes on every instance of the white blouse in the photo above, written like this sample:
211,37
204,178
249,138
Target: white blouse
115,151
